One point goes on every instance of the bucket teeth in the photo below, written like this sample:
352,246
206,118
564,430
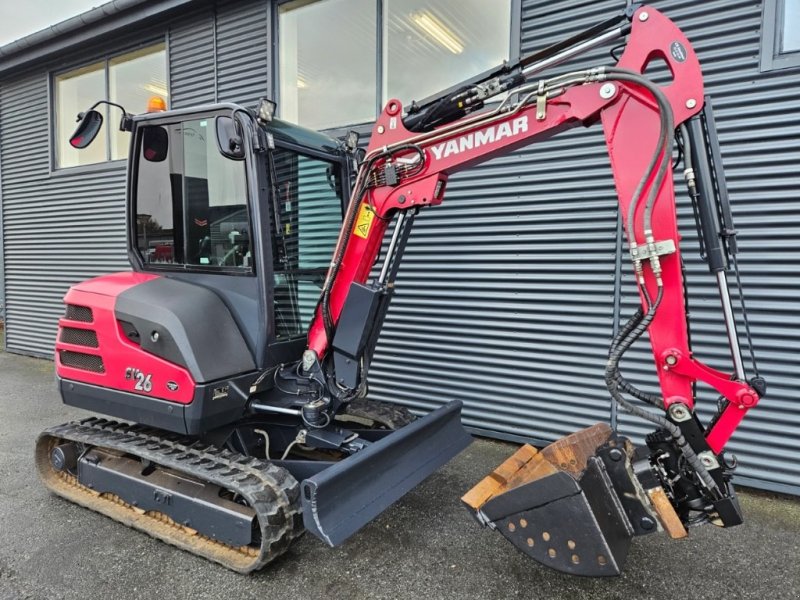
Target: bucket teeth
571,506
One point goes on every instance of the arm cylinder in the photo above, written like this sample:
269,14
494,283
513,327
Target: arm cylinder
705,198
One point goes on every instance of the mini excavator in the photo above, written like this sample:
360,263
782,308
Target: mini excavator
231,362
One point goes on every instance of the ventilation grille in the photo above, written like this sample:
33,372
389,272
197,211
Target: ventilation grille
79,337
79,360
79,313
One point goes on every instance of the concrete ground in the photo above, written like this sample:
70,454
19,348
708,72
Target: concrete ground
426,546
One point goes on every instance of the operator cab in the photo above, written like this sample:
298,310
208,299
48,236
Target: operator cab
252,217
232,219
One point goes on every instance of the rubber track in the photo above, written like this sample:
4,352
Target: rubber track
389,415
271,491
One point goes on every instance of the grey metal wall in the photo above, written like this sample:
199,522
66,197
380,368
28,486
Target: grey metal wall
221,55
2,260
61,227
506,297
57,229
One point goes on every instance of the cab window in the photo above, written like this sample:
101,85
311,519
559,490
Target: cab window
307,196
190,200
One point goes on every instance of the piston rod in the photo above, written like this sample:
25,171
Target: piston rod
730,325
258,407
580,48
398,228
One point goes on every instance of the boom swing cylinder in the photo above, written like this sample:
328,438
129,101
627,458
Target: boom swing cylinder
683,476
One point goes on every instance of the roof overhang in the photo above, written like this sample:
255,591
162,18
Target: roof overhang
106,20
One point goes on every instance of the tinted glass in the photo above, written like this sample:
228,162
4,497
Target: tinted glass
429,46
191,202
76,91
308,199
327,62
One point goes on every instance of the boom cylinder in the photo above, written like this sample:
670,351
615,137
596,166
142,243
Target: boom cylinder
709,211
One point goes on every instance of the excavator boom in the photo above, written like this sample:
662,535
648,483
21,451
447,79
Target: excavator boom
576,505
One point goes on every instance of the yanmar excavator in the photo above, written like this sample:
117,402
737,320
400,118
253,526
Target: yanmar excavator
239,350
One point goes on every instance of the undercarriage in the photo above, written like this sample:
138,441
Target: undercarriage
235,510
239,503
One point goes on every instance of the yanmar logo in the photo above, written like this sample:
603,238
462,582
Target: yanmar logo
490,135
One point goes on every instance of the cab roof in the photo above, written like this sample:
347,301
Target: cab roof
284,131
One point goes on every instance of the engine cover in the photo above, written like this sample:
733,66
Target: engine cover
152,349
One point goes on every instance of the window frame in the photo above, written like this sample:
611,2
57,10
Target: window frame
343,201
133,248
108,164
771,57
514,53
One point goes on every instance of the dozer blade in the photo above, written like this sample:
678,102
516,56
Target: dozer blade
340,500
574,506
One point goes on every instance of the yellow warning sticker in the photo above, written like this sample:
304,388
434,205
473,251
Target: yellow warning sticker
364,221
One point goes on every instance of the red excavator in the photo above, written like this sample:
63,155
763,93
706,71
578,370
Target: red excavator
238,359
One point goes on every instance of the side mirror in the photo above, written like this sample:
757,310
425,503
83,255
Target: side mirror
229,142
90,123
155,143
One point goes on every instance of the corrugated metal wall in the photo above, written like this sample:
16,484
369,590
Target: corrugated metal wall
192,68
62,227
243,51
221,55
2,261
491,308
58,229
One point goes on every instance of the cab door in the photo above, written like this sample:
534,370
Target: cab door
306,208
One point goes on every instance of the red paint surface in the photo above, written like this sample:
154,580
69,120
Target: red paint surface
119,354
630,120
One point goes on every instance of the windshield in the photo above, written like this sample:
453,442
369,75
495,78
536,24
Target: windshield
307,196
190,200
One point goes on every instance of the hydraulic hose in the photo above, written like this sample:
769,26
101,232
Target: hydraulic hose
636,327
612,383
361,186
665,141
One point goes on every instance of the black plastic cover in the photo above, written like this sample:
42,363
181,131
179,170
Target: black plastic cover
188,325
356,323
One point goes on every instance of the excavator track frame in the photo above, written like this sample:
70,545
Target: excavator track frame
272,493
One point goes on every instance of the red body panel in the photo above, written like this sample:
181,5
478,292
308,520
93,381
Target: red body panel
126,366
631,123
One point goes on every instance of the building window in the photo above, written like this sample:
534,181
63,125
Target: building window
780,35
407,49
129,79
790,31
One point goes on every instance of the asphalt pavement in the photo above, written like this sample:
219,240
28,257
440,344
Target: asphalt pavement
426,546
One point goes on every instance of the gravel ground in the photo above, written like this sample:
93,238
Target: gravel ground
426,546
